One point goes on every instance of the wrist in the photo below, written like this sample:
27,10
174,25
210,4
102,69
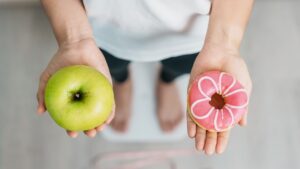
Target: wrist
79,47
224,38
71,35
68,20
219,51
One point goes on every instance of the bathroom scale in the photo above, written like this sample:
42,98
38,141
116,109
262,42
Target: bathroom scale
143,125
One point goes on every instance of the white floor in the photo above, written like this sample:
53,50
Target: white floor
143,126
271,140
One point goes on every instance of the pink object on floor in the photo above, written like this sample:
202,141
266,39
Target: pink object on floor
216,101
140,159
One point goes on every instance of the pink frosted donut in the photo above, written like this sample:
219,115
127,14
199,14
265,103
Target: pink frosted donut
216,101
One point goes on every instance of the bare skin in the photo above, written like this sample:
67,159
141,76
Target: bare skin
82,52
76,46
227,24
123,99
226,27
169,107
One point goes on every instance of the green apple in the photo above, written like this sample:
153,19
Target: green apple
79,98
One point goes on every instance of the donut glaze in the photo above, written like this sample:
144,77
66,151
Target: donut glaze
229,110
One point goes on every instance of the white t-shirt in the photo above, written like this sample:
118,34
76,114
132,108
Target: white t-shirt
149,30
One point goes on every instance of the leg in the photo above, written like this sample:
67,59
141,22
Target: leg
177,66
118,67
169,107
122,89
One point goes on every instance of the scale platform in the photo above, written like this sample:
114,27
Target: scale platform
143,126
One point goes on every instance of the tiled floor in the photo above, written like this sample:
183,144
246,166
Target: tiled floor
271,141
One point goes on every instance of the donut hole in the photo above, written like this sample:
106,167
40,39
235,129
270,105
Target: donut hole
217,101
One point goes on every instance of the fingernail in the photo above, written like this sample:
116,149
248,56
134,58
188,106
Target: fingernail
199,148
101,128
38,111
199,145
220,150
93,134
209,152
243,124
72,134
191,134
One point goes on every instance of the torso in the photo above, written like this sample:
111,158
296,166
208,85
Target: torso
149,30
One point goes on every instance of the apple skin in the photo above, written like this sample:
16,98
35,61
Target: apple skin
79,98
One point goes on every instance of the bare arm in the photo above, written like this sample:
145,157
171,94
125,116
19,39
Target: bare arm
228,22
68,19
76,47
226,28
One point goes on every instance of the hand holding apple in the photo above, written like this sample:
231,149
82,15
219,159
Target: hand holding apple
83,52
79,98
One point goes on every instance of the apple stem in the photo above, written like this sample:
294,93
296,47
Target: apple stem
77,96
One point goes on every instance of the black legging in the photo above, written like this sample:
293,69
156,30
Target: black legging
171,67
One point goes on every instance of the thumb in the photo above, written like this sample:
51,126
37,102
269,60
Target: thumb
101,66
200,66
243,121
40,94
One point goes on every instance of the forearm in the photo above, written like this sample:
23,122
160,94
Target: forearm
68,19
228,21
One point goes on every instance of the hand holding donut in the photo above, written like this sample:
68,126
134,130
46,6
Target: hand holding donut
218,97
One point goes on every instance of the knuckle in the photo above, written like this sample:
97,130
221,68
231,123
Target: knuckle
211,136
43,76
191,134
223,136
201,132
198,147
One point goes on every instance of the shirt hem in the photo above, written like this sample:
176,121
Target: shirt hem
153,55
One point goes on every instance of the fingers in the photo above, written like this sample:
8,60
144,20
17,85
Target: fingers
222,141
111,117
93,132
40,94
72,134
101,66
243,121
191,127
210,142
108,121
90,133
40,98
100,128
200,138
